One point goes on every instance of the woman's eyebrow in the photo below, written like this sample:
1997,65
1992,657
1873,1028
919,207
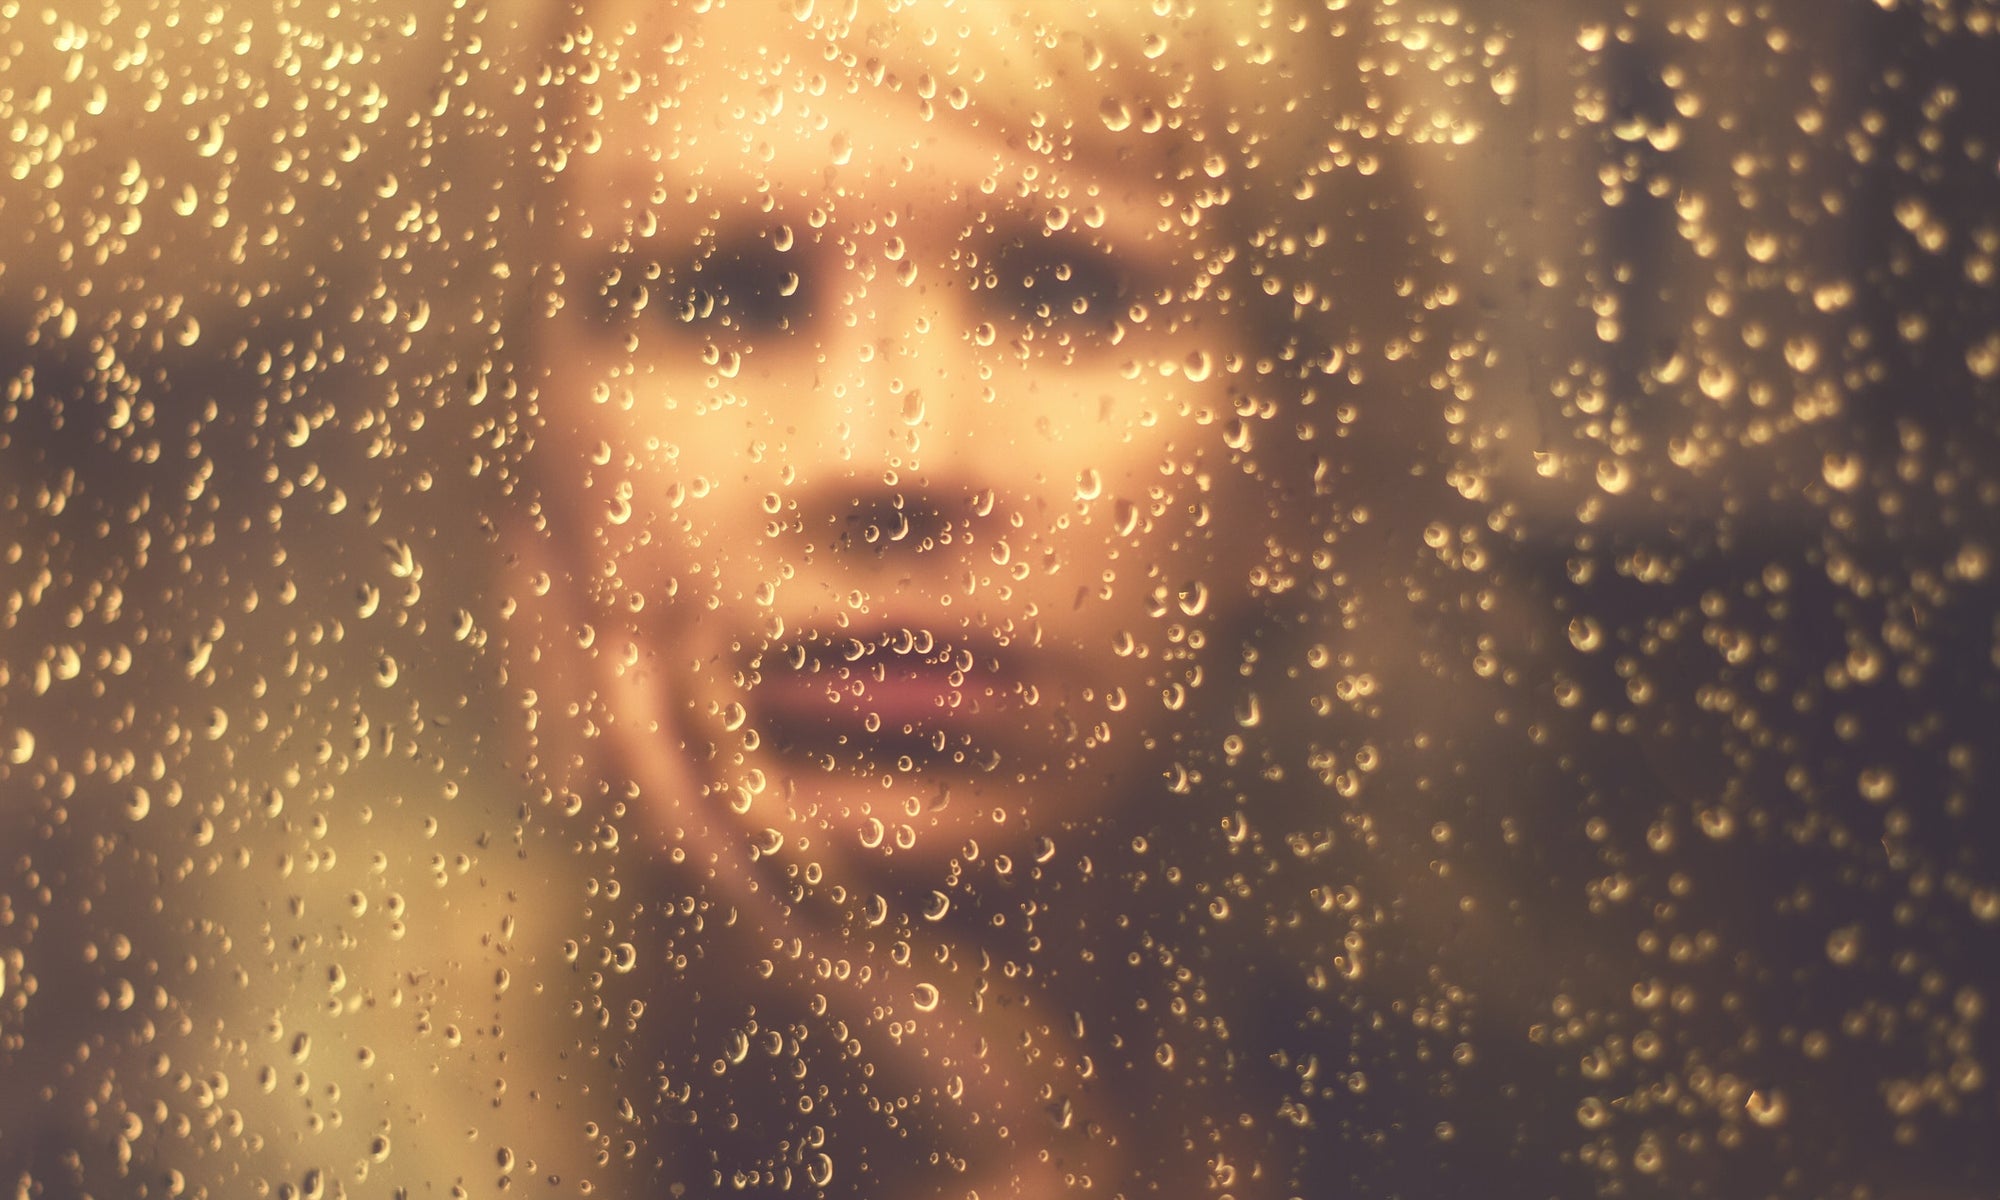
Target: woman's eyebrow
669,239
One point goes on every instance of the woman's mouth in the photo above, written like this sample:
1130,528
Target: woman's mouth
900,691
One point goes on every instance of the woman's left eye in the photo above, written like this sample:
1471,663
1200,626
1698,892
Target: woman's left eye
750,289
743,291
1060,286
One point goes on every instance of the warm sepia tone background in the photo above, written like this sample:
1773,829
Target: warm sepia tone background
283,914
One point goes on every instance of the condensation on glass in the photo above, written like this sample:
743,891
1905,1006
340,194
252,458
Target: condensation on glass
876,599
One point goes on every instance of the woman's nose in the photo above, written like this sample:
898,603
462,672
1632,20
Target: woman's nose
905,341
910,475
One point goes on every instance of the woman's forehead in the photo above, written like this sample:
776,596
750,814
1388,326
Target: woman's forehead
1057,81
887,164
990,39
736,105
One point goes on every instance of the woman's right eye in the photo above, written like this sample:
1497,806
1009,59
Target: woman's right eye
1062,284
745,291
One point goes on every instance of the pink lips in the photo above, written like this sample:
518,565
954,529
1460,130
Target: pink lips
906,683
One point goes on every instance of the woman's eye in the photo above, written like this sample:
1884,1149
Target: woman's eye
1062,287
745,292
753,290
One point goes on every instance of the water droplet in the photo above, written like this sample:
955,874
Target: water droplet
1250,713
1766,1106
1877,784
1193,598
1983,357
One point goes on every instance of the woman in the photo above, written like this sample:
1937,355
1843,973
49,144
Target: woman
923,474
1098,617
1072,704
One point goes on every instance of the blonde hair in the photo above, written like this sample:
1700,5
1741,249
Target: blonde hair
1210,97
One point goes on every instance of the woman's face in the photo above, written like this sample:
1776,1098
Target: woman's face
887,441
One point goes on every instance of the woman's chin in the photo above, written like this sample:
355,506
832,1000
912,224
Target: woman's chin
898,821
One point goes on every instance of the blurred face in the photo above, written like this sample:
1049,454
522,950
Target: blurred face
885,437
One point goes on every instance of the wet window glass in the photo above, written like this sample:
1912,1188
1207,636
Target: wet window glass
904,598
